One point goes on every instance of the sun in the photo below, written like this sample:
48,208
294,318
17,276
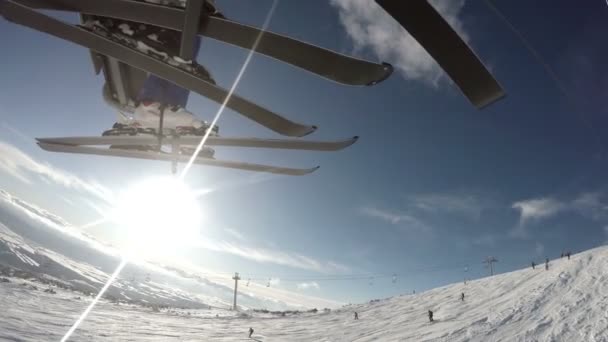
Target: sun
157,215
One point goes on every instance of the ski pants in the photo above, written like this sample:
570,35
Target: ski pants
157,89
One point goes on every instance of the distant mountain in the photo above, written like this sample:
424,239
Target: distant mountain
36,243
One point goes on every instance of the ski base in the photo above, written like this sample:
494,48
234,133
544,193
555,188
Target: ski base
451,52
149,139
174,158
326,63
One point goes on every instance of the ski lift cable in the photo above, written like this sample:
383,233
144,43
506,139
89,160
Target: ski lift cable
321,279
302,277
548,69
342,277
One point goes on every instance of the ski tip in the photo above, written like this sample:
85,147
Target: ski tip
302,172
483,102
42,142
353,140
311,130
388,71
45,141
58,141
43,145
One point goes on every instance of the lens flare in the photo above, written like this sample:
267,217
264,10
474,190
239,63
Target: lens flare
156,215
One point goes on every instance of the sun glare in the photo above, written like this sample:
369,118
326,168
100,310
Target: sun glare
157,215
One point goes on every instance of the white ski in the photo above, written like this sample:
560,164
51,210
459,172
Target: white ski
163,156
141,140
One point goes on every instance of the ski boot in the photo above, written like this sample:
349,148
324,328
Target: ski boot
176,120
119,129
130,130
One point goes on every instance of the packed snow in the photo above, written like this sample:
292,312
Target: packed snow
43,291
566,303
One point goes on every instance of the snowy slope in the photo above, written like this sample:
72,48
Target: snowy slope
567,303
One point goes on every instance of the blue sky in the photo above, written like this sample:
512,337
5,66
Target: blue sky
433,185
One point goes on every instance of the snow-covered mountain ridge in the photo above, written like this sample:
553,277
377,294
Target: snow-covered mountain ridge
41,245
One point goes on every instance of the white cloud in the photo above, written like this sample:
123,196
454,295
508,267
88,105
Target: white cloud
586,204
36,214
395,218
536,209
390,217
371,28
67,200
272,256
461,204
419,209
20,165
309,285
101,210
235,234
339,268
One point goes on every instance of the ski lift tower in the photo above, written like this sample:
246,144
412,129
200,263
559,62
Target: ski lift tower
490,263
236,283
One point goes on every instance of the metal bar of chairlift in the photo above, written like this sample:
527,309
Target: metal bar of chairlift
195,16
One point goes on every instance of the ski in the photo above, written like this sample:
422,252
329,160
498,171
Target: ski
195,140
24,15
163,156
326,63
452,53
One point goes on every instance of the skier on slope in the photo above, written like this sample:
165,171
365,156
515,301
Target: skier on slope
250,332
533,265
462,296
356,315
430,316
547,264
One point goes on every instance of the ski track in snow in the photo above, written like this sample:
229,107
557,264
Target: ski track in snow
567,303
